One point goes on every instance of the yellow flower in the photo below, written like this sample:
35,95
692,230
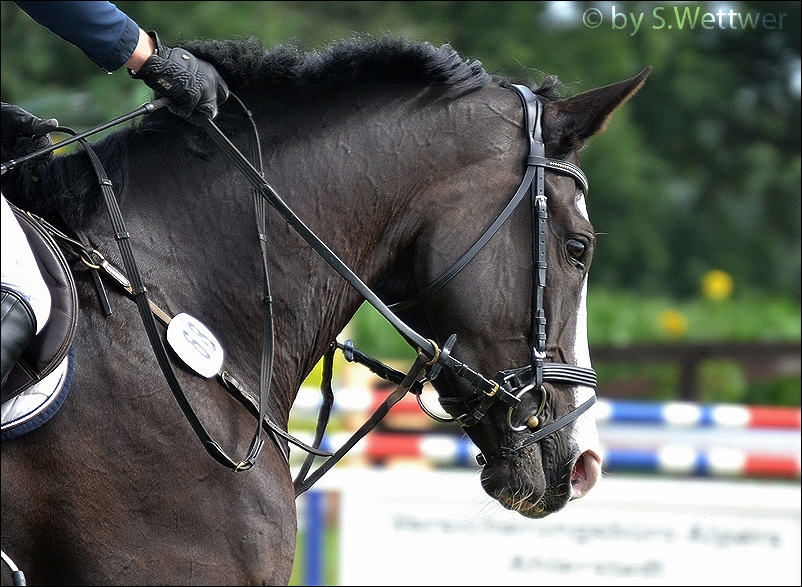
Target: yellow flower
717,285
673,322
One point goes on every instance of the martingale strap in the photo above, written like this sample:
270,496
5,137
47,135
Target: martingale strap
411,379
140,295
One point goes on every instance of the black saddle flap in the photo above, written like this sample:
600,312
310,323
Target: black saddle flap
52,344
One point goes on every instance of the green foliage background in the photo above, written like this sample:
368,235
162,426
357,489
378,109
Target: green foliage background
700,171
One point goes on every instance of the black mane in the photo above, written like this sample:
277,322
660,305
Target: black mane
245,63
66,192
286,73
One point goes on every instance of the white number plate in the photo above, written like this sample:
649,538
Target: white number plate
195,344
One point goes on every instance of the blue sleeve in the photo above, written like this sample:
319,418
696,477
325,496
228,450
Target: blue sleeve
102,31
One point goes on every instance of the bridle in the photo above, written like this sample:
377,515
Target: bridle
515,383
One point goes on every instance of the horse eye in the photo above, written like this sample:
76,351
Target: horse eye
575,248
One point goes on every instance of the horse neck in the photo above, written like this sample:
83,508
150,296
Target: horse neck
369,184
390,175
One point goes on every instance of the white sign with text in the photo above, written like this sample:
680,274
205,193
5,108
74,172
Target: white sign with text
406,526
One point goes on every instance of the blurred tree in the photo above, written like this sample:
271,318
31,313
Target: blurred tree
701,171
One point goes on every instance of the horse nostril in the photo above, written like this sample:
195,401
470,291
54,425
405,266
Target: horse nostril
585,473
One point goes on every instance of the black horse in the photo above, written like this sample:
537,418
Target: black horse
399,156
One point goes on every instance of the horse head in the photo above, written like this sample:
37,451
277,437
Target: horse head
539,446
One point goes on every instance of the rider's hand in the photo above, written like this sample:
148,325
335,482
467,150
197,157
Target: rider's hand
191,84
22,133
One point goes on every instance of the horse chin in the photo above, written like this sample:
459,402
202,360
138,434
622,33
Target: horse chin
522,487
527,509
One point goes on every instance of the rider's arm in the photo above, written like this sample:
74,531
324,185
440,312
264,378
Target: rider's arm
104,33
112,39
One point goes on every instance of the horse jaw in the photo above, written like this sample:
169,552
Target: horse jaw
525,482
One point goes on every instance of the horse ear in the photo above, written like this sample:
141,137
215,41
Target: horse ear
578,118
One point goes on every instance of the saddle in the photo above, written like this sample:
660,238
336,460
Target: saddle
50,348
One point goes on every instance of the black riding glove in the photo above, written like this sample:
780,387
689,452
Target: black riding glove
22,133
191,84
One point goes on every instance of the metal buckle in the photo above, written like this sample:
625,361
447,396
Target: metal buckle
495,390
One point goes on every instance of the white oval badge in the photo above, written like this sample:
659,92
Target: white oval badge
195,344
